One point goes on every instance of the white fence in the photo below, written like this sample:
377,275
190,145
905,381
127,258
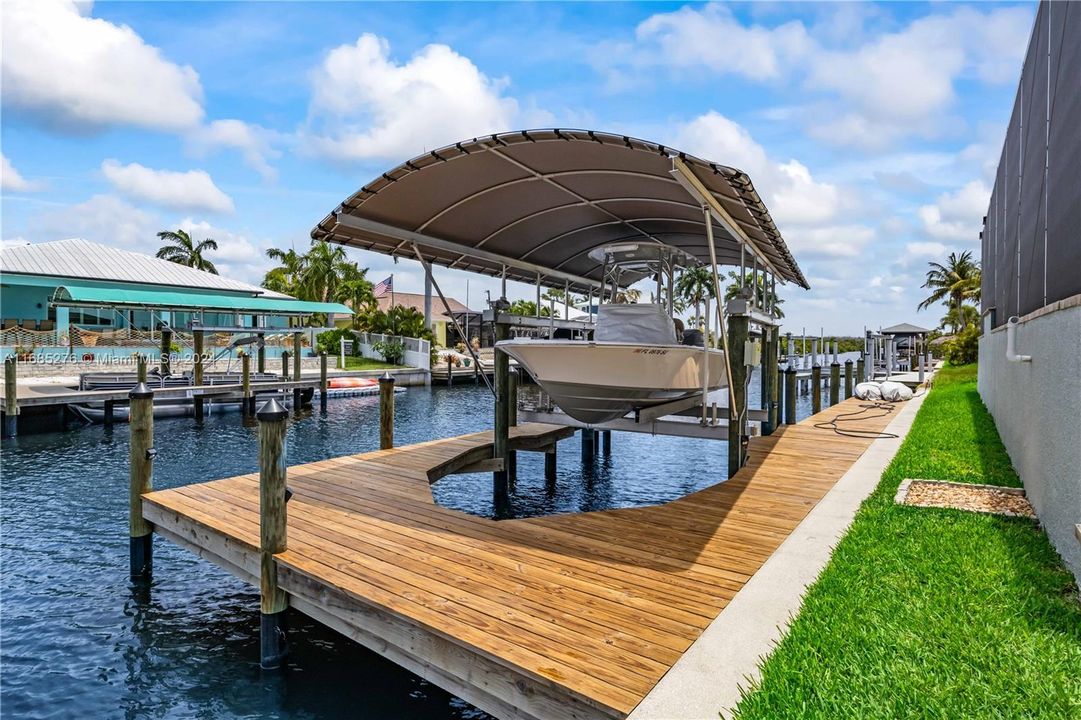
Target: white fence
417,351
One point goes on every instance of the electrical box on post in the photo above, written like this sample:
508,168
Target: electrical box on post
752,353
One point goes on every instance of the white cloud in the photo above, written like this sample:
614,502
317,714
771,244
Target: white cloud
957,215
712,36
831,241
104,219
255,143
192,190
76,71
238,256
926,249
12,181
870,93
792,194
365,105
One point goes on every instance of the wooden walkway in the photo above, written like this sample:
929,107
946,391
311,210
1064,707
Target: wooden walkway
565,616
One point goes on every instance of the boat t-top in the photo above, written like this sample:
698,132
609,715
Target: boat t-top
636,359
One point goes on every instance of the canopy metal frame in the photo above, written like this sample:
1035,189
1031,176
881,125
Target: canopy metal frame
497,195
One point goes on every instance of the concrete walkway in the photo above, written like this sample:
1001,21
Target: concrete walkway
708,677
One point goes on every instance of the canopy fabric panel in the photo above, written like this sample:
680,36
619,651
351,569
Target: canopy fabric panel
545,199
79,295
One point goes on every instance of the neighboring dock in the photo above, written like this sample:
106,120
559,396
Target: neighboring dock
565,616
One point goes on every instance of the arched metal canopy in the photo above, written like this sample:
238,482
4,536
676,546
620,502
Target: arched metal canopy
534,203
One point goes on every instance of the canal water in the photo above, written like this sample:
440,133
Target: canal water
77,639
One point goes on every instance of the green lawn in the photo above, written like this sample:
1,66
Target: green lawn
363,363
928,613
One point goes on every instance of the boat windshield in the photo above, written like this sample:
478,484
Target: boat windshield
637,323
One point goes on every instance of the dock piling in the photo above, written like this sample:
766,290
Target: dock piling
260,363
140,479
501,436
606,442
298,356
512,421
589,445
816,388
323,382
285,364
775,386
835,382
790,395
272,533
140,364
247,402
11,397
197,371
848,379
386,411
110,412
166,349
550,469
738,329
861,368
450,370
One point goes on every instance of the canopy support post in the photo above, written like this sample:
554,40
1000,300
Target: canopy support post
446,306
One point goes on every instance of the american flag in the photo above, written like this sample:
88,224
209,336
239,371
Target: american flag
384,287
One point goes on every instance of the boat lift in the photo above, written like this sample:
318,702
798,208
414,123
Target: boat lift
531,206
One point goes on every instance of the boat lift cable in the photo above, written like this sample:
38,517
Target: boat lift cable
446,306
720,313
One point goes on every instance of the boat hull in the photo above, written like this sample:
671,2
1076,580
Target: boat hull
595,382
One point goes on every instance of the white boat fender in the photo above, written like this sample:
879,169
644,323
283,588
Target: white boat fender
895,391
868,391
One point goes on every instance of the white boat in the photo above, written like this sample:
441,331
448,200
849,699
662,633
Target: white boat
635,359
595,382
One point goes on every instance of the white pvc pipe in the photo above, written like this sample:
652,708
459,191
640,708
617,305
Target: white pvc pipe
1011,333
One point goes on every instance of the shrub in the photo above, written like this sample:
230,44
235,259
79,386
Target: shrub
964,347
330,341
391,350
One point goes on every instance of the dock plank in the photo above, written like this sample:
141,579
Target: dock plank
563,616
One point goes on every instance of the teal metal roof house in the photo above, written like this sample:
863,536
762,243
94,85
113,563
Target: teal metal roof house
75,293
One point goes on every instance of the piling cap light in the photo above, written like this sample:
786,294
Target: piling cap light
140,392
387,377
272,411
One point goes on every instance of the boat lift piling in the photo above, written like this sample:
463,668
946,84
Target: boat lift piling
816,383
501,440
848,378
285,365
512,421
140,364
298,357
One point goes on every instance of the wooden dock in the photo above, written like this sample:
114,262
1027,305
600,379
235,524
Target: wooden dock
564,616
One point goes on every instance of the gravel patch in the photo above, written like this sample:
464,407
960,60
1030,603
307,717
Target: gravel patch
965,496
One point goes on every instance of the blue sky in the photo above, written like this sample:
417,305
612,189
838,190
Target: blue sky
872,130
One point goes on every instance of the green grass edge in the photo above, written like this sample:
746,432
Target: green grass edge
931,613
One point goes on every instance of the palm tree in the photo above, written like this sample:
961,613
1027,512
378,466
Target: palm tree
286,277
628,296
323,269
184,251
695,285
960,316
764,294
357,293
953,282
